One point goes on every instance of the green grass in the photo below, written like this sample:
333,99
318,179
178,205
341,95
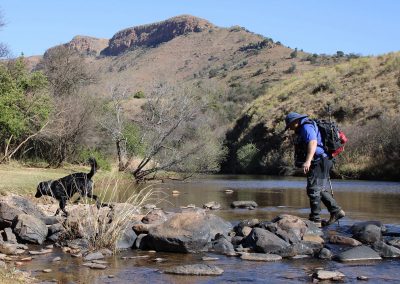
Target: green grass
18,179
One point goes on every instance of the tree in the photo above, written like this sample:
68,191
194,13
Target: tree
177,133
293,54
125,136
24,106
3,47
67,74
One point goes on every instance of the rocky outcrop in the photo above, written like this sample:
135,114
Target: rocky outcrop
154,34
84,45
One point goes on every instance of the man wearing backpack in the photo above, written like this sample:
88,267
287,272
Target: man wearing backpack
311,155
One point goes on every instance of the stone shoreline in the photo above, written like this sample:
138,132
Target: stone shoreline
190,230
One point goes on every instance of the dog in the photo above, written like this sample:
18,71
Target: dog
64,188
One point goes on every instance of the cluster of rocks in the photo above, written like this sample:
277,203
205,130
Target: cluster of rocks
192,230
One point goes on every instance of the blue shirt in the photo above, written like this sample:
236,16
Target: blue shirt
309,131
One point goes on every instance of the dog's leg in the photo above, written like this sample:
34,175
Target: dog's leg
62,206
77,200
58,211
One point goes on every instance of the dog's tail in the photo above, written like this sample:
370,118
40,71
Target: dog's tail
93,164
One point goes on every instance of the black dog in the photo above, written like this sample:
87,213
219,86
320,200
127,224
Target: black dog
64,188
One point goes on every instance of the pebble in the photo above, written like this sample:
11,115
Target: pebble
175,192
29,258
42,251
159,259
56,259
361,277
111,276
48,270
228,191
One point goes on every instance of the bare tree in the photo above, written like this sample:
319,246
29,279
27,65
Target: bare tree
114,122
4,51
172,126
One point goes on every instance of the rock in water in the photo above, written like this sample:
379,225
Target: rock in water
244,204
359,253
195,269
329,275
260,257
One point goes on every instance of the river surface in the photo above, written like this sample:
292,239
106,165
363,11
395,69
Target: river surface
362,200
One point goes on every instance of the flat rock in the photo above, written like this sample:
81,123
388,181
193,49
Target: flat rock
94,265
386,250
264,241
359,253
313,239
209,258
40,252
195,269
329,275
93,256
260,257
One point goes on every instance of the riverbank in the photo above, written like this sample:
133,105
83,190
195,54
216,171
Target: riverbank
190,241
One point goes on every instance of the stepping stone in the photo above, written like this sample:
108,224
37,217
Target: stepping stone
196,269
358,254
260,257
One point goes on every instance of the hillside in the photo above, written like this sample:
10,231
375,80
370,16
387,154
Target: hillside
365,95
187,50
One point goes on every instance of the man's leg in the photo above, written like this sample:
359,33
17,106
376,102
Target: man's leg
314,191
326,197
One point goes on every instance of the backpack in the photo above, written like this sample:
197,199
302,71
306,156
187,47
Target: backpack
332,137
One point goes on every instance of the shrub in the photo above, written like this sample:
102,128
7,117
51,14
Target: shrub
291,69
293,54
246,155
139,95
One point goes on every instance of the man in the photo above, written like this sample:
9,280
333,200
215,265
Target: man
310,155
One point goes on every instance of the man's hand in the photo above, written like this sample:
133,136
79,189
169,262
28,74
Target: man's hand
306,167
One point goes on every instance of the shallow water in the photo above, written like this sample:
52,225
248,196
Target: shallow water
361,200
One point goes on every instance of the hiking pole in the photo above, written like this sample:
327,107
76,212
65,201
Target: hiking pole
330,185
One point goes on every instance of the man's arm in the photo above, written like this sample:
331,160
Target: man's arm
311,148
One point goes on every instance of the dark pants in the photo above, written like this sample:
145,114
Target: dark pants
317,188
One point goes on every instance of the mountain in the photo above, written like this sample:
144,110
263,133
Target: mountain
187,50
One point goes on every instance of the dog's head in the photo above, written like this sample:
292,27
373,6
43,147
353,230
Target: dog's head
43,188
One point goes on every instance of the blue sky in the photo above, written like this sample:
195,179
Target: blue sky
366,27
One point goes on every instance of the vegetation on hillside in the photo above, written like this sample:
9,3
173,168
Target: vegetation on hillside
365,94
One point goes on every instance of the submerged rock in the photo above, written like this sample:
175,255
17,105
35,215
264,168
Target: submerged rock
358,254
93,256
196,269
212,205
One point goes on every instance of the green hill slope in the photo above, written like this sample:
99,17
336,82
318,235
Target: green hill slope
365,95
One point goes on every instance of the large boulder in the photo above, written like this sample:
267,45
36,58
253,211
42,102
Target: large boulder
183,232
262,240
30,229
13,205
217,225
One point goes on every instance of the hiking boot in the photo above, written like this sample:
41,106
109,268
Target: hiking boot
335,217
316,222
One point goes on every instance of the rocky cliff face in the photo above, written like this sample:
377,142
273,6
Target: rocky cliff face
87,45
154,34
